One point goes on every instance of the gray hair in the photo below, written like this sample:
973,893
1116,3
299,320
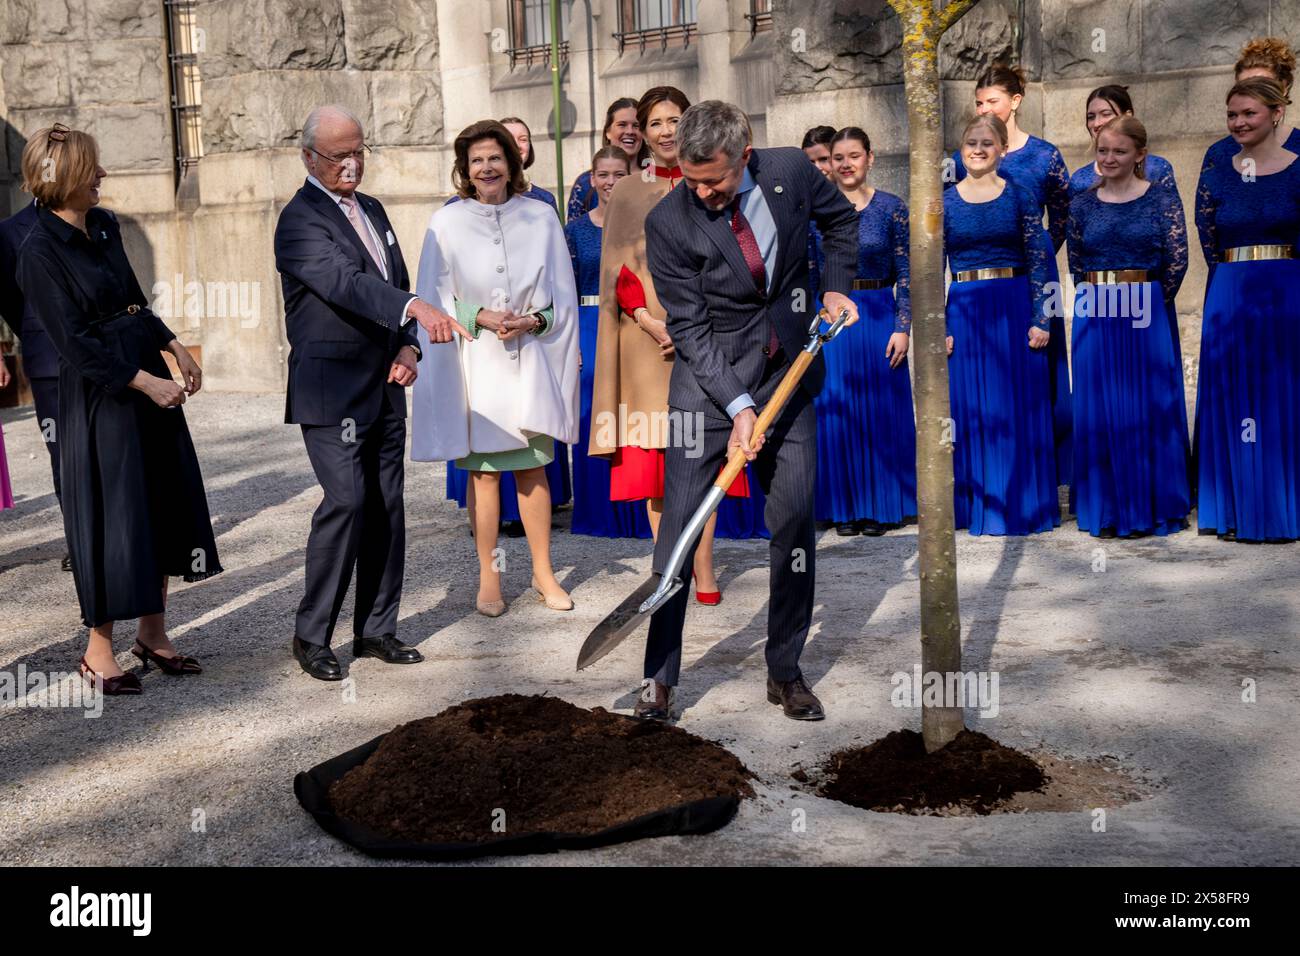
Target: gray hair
314,118
710,126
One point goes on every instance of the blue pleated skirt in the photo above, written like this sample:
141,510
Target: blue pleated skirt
1130,419
1248,402
593,513
866,431
1004,457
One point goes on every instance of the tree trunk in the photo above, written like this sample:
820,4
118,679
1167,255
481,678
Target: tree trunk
940,620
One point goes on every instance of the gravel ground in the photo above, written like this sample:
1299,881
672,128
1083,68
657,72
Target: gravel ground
1143,662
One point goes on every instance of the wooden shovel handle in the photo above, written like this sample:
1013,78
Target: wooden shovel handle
771,412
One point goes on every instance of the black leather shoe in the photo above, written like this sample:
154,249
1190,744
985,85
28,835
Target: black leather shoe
317,660
654,701
66,563
846,529
387,648
513,529
796,699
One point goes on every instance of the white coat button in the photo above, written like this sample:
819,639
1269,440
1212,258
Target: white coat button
496,241
501,268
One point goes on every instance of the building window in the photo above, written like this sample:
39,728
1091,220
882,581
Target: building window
530,32
645,22
184,43
759,17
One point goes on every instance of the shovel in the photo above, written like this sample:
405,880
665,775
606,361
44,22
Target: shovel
656,591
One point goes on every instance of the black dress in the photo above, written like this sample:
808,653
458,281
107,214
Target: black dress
134,508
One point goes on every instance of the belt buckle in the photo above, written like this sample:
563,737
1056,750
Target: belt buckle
132,309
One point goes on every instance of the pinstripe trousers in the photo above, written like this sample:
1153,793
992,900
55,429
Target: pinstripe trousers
786,470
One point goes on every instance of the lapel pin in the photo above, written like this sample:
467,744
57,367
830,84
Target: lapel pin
778,189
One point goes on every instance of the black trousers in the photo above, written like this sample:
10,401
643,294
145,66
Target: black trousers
786,470
361,522
45,392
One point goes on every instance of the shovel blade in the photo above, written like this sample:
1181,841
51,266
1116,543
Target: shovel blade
623,620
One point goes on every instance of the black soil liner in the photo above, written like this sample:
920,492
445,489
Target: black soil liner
566,778
895,773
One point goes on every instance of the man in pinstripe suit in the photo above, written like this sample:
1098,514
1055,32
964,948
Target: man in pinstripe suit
728,253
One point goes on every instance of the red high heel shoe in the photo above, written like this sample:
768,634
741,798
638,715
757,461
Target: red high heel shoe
709,598
113,686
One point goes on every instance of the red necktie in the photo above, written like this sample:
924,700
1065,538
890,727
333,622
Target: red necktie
754,259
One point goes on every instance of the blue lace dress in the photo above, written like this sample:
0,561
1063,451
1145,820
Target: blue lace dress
866,431
1160,174
557,472
1248,393
1039,168
582,198
1004,462
593,513
1131,451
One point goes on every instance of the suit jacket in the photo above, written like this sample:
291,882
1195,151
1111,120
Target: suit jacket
718,320
341,315
40,359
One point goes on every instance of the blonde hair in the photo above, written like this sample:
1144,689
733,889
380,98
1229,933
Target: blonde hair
56,162
1131,127
996,125
1268,92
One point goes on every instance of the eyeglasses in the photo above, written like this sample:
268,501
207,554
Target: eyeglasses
58,133
358,154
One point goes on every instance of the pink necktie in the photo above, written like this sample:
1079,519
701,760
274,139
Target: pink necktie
350,209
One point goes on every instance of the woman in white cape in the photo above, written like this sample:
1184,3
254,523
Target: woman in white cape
499,401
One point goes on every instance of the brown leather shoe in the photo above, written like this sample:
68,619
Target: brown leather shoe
654,701
796,699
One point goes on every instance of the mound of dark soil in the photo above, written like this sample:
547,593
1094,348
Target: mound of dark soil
504,766
895,773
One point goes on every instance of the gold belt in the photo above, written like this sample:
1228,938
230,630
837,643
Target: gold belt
589,300
1254,253
1116,276
974,275
859,284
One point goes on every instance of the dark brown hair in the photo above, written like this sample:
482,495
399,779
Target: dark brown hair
1272,54
622,103
818,136
649,100
852,132
476,132
528,160
1004,76
1113,94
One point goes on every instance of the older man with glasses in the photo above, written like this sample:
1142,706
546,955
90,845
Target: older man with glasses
348,316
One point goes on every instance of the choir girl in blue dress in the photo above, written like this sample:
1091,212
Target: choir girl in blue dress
1037,167
816,146
1004,465
557,472
1268,58
866,433
593,512
1127,244
1103,105
1248,393
621,129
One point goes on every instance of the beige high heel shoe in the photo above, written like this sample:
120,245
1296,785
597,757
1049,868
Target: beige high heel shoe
552,603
